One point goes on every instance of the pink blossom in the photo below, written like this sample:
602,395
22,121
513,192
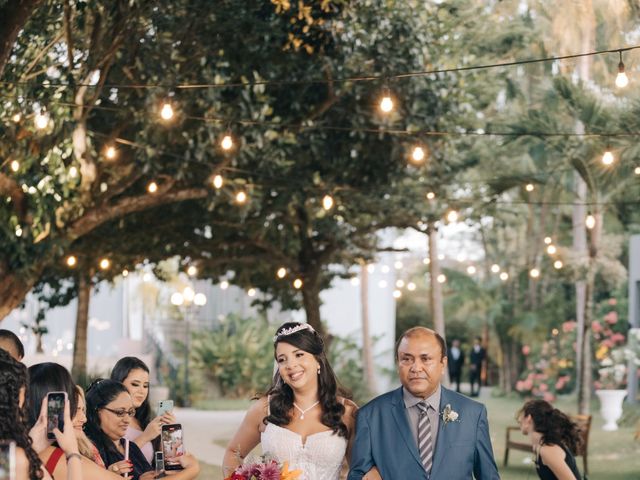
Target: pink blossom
618,338
595,326
520,385
611,318
527,384
568,327
544,387
526,349
269,471
612,301
560,384
549,397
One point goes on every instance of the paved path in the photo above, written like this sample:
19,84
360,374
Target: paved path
205,431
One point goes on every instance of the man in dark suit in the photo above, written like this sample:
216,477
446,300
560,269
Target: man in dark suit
422,430
475,365
455,358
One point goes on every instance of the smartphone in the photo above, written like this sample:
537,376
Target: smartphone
159,462
172,446
7,460
55,412
164,406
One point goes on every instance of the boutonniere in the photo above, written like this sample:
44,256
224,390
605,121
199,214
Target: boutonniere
449,415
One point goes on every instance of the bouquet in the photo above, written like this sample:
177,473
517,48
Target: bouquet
265,469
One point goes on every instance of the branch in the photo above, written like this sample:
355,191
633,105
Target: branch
13,14
8,186
98,216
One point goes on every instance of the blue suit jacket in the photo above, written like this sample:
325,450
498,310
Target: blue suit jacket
384,439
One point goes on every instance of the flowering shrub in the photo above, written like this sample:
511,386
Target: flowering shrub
265,469
609,334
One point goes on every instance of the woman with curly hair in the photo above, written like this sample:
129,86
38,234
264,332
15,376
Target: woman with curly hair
302,419
13,426
554,439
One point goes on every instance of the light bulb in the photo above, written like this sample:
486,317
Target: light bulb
590,222
557,264
504,276
110,153
418,155
41,120
621,79
167,111
411,286
200,299
281,273
355,281
218,181
241,197
327,202
399,283
177,299
152,187
224,285
16,117
371,268
15,165
72,261
442,278
471,270
607,158
495,268
297,284
386,104
547,240
551,249
192,270
251,292
188,294
227,142
397,294
398,265
125,273
529,187
426,260
73,172
637,171
452,216
431,196
534,273
105,263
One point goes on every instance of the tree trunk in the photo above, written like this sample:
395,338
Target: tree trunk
39,348
437,307
14,288
311,302
79,368
580,248
367,351
14,15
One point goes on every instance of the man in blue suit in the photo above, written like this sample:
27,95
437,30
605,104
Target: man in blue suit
422,430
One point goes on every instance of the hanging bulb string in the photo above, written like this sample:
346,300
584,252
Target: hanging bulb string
363,78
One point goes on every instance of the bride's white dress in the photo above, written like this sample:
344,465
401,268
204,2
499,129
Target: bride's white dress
319,458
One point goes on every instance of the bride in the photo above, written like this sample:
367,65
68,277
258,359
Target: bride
301,420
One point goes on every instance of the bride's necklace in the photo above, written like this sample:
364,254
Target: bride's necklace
302,412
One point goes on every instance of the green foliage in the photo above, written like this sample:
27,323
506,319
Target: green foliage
345,357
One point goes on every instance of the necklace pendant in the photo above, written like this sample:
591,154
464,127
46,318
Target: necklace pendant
302,417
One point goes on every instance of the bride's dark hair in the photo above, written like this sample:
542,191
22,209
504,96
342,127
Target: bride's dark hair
556,427
281,395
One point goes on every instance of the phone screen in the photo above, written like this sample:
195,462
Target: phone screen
172,446
55,413
7,460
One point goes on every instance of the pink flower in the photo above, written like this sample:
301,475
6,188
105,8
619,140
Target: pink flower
611,318
269,471
612,301
544,387
526,349
568,327
520,385
549,397
595,326
560,384
618,338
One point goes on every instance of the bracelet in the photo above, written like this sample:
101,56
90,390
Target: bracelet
72,455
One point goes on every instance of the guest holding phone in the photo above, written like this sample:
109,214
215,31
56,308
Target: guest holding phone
52,377
85,446
144,429
13,392
109,413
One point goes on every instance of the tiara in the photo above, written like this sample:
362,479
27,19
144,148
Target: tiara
292,330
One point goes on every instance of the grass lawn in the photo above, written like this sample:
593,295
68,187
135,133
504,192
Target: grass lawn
612,455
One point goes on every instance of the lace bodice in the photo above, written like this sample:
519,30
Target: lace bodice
319,458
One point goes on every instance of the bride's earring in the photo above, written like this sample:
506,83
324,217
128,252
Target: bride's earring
318,369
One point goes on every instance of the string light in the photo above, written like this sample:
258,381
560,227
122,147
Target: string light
192,271
529,187
105,263
398,265
637,171
471,270
218,181
386,102
452,216
281,273
227,142
431,195
385,269
177,299
224,285
200,299
327,202
152,187
18,231
73,172
397,294
551,249
16,117
251,292
297,284
418,155
590,222
71,261
371,268
442,278
146,278
495,268
241,197
188,294
547,240
504,276
382,284
426,260
621,79
166,112
534,273
557,264
355,281
125,273
607,157
15,165
411,286
399,283
110,152
41,120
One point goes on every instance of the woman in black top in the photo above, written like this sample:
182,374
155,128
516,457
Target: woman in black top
554,438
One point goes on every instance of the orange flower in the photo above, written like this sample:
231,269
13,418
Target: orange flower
285,474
